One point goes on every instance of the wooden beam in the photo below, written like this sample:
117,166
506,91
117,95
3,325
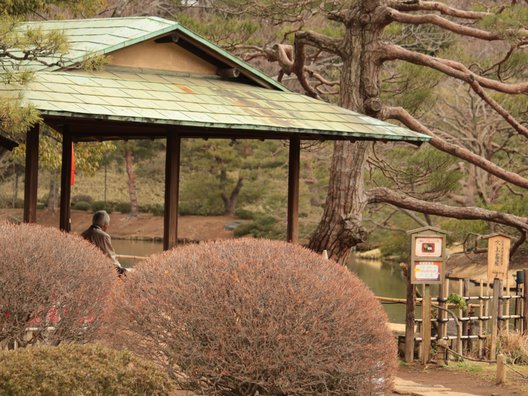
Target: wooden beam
65,216
31,178
293,189
172,188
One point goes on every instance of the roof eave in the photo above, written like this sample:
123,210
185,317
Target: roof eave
317,134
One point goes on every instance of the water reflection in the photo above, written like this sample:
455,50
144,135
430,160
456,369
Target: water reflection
383,278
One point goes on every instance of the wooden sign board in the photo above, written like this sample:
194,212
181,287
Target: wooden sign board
427,256
498,256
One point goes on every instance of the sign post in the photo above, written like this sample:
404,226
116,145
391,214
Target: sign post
498,262
427,268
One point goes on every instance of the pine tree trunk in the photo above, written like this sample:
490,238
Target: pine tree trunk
132,191
340,227
231,200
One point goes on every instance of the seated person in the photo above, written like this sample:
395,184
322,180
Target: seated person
96,234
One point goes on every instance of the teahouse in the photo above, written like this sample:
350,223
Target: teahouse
162,80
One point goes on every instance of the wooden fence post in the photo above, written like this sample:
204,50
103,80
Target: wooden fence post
426,323
409,319
501,369
497,288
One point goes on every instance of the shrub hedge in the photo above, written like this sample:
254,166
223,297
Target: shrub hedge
53,283
72,369
248,317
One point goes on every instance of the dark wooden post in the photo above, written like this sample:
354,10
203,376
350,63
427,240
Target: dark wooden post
409,318
525,304
293,189
31,178
65,214
172,188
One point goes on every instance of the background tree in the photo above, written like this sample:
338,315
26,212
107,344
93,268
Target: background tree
355,50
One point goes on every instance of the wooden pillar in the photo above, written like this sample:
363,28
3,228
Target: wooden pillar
293,189
172,188
65,213
31,178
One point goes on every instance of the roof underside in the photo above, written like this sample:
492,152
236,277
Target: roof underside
194,103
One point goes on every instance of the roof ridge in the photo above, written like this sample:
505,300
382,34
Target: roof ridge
100,19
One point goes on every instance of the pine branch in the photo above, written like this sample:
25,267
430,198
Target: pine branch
401,200
444,23
449,67
442,8
402,115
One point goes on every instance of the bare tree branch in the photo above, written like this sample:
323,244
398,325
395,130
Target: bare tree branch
444,23
436,6
402,115
400,200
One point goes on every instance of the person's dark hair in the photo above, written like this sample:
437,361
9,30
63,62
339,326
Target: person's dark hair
101,218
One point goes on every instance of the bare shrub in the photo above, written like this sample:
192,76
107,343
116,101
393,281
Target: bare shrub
73,369
52,283
248,317
515,346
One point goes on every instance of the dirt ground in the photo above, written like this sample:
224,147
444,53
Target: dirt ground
472,382
144,226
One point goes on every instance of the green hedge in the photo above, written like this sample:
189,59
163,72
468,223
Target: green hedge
74,369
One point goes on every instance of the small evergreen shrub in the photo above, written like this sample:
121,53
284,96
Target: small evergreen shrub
155,209
81,197
245,214
246,317
260,227
53,286
102,205
72,369
82,205
123,207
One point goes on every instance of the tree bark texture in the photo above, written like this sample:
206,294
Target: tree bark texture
231,200
132,190
340,227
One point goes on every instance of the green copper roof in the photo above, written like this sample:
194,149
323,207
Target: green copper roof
207,102
90,37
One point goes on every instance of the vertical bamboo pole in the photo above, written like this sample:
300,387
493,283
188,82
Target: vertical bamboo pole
409,318
506,325
480,322
525,303
467,325
460,330
426,323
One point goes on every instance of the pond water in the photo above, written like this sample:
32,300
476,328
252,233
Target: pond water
384,278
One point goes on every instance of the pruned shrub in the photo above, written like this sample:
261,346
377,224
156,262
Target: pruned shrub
72,369
53,286
81,197
102,205
82,205
123,207
248,317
